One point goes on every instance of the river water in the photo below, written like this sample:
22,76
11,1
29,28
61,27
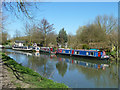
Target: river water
75,72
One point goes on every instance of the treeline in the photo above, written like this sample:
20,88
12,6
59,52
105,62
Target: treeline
101,33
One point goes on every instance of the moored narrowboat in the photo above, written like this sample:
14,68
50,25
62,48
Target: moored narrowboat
22,48
82,52
45,49
48,50
36,49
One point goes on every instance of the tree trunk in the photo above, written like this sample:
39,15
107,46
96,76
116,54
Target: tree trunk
45,39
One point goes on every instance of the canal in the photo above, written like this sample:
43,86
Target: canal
75,72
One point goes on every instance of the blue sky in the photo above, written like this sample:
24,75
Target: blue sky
69,15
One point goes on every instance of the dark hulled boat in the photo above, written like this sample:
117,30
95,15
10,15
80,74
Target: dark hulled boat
81,52
48,50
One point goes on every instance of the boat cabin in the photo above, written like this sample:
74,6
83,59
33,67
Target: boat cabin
18,43
81,52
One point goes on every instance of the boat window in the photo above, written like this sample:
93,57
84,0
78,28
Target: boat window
86,53
76,52
69,51
92,53
37,48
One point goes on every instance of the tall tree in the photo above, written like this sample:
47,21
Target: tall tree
29,31
17,35
0,25
37,35
51,39
62,37
110,25
107,23
92,33
45,28
4,37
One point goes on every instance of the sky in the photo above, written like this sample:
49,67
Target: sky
67,15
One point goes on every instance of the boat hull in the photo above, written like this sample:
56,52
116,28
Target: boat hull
44,51
53,53
90,57
28,50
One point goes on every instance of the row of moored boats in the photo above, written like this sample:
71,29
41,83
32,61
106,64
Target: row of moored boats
94,53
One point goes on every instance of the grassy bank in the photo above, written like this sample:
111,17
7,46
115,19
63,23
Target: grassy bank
28,76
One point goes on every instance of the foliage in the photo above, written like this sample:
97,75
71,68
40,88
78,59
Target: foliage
62,37
30,76
51,39
92,33
113,53
103,30
85,47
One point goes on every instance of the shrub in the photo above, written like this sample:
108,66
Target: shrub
85,46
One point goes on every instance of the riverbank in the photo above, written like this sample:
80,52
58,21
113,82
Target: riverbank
18,76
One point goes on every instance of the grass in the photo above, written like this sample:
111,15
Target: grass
28,76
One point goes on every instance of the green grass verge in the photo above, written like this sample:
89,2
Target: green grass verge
31,77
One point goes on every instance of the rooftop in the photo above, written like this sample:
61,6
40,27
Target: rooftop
17,41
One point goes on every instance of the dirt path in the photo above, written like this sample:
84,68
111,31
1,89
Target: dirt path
4,77
8,80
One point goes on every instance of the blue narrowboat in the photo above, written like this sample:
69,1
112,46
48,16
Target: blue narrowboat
82,52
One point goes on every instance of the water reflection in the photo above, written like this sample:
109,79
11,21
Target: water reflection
37,54
17,52
74,72
85,64
61,67
41,65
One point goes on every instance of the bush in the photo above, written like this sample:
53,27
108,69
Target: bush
107,50
113,52
85,46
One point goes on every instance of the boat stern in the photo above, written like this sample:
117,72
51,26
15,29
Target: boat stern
105,57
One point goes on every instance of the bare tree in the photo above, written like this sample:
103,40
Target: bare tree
110,25
17,35
107,23
51,39
3,32
90,34
45,28
37,35
19,7
0,26
4,37
28,31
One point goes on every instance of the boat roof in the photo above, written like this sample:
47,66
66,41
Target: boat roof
78,49
93,49
17,41
45,47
